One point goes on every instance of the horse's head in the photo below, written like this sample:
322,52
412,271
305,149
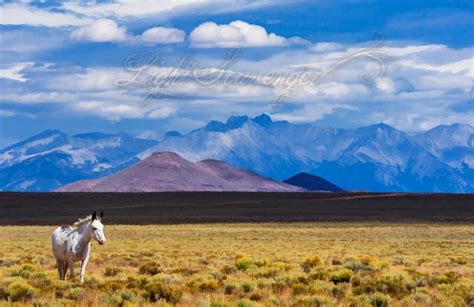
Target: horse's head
97,228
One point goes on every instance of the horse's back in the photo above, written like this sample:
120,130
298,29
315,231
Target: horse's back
61,231
59,241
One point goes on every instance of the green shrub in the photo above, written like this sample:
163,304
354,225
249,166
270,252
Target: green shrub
282,266
229,288
420,299
260,263
459,260
379,300
40,280
227,269
124,298
310,263
256,297
302,279
468,296
248,286
264,283
75,293
150,268
336,261
267,272
341,276
41,303
3,294
279,285
364,285
355,265
134,283
20,291
24,272
208,285
91,282
60,287
446,278
319,274
394,285
299,288
27,259
340,290
273,300
113,284
244,303
455,300
418,279
156,291
243,264
321,287
356,301
313,300
112,271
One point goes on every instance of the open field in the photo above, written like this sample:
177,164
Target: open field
277,264
199,207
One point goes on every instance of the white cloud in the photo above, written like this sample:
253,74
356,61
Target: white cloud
163,112
416,91
119,111
337,90
14,72
79,13
6,113
90,79
109,109
465,66
38,97
237,34
296,40
114,110
127,8
393,86
160,8
107,30
31,41
102,30
22,14
160,35
399,51
9,113
312,112
326,47
385,84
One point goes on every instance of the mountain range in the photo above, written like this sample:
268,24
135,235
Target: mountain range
167,171
372,158
51,159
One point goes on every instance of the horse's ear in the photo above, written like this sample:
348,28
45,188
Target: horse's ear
101,215
94,216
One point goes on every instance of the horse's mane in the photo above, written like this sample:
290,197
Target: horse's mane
82,221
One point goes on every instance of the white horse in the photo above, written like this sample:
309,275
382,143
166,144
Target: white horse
72,243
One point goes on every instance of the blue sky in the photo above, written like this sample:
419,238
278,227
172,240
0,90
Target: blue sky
60,62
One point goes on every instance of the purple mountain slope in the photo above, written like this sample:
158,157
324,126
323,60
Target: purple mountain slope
167,171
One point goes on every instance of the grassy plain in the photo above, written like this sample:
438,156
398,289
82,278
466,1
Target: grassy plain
279,264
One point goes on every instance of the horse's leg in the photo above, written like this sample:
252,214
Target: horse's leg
71,267
83,268
60,268
64,269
